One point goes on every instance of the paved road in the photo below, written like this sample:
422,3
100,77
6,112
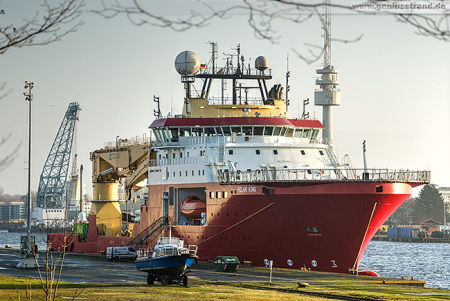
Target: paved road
93,268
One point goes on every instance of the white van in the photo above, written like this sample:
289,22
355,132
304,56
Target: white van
117,253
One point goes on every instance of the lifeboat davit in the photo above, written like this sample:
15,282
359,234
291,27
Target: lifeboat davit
193,207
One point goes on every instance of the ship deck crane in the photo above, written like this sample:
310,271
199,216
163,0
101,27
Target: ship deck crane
127,160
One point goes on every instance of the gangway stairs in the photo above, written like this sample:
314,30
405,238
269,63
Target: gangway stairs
153,230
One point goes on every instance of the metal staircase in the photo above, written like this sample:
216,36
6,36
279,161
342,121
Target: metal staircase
153,230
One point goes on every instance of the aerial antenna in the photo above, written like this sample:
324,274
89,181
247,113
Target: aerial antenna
288,74
214,54
305,115
328,95
157,112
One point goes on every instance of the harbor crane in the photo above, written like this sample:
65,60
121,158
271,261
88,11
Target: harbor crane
53,177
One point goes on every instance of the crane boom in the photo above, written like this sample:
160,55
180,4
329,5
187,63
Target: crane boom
53,177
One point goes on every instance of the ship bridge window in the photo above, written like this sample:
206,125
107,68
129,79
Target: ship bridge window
236,130
164,135
197,132
185,132
247,130
315,132
268,130
289,132
210,132
277,131
258,130
173,134
283,131
158,135
298,133
219,131
306,133
226,131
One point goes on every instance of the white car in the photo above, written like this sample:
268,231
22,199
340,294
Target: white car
118,253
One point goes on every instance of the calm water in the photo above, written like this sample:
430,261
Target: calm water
13,240
424,261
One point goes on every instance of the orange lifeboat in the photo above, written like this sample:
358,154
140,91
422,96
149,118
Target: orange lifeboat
193,207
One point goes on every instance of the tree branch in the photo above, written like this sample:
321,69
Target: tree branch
43,30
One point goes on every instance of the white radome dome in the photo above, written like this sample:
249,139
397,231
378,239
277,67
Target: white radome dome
187,63
261,63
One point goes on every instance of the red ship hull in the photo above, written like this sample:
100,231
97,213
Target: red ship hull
321,226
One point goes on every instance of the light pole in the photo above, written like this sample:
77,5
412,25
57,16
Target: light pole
27,260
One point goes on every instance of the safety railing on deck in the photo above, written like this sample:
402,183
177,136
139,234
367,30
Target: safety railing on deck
324,175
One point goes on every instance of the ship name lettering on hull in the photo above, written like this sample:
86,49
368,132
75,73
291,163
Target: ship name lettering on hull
246,189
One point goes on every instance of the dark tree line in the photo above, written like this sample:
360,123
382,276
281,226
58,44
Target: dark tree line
428,204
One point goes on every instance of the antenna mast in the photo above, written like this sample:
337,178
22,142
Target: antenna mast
328,95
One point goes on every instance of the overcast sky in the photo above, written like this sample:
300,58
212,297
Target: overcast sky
394,86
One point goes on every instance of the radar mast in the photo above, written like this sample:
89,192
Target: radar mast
327,95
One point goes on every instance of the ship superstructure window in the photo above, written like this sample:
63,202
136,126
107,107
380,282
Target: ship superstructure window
306,133
247,130
268,130
230,151
226,131
298,133
218,194
197,132
289,132
163,134
277,131
219,131
314,135
185,132
258,130
283,131
258,152
275,152
236,130
225,194
302,152
211,194
210,132
173,134
321,153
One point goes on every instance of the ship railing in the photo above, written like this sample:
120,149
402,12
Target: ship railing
180,161
324,175
145,252
228,101
232,70
132,141
193,249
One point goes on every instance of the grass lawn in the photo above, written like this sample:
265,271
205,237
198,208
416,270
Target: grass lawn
323,288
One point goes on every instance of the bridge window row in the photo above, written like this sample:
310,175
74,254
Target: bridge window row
167,134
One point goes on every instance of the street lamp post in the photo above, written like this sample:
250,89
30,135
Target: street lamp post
27,260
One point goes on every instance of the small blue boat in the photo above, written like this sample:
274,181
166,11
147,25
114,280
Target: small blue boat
170,261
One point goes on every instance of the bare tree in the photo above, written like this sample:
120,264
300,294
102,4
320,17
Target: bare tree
50,25
9,158
261,16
